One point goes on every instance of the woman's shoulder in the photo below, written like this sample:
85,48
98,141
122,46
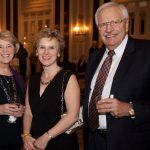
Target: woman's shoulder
19,80
67,72
35,76
15,72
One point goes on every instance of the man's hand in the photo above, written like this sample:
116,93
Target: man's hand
113,106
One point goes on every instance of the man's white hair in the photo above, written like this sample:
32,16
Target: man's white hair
122,8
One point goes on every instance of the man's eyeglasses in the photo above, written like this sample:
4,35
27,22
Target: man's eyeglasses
113,23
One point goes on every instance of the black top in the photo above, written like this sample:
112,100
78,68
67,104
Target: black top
46,110
10,132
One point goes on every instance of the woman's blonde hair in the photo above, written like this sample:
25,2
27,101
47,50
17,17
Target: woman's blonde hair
10,37
51,34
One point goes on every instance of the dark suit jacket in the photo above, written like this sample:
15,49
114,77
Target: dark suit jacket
131,83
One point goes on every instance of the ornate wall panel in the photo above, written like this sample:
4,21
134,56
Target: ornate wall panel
139,17
35,14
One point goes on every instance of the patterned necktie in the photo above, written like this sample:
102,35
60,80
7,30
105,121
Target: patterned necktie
99,84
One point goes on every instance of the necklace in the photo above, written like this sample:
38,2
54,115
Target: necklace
45,83
7,81
11,94
49,81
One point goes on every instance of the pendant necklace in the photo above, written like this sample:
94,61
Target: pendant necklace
44,83
7,81
9,95
48,82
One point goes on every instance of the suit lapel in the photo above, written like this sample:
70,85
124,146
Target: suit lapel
123,66
95,63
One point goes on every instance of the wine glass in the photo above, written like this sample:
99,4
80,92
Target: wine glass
96,100
16,101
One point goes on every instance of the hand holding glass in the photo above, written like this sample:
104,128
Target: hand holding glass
12,119
98,98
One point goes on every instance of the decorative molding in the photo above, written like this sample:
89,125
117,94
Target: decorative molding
36,5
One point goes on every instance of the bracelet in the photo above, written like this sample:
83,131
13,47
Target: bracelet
23,135
49,136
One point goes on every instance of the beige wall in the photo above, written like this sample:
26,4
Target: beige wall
80,12
140,8
34,15
2,15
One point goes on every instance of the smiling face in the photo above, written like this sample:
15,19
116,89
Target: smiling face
48,51
113,34
7,51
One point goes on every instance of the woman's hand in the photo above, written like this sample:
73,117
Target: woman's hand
29,143
20,111
42,141
8,109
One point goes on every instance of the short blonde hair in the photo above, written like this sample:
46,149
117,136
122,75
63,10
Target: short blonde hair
10,37
51,34
122,8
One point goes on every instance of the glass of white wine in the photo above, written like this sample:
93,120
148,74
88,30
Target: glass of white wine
16,101
97,99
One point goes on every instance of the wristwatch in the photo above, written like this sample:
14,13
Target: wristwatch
131,110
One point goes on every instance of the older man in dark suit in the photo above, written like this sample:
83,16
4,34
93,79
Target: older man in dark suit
122,119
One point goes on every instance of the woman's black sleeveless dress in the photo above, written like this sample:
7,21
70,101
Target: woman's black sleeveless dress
46,111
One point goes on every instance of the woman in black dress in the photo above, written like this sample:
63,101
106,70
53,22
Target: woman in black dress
43,126
12,89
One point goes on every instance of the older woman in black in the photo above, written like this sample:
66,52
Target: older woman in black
43,126
12,89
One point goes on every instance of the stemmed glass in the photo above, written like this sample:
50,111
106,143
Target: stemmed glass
97,99
16,101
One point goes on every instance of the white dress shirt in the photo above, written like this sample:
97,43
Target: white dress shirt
107,87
